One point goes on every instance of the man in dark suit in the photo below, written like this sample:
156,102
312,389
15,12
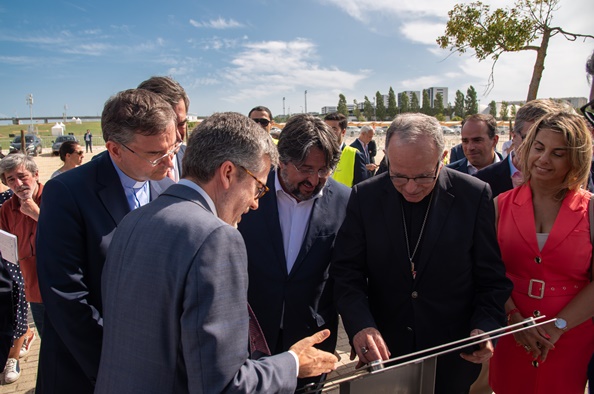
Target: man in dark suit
175,308
456,153
172,92
79,213
479,142
362,145
399,287
289,239
350,169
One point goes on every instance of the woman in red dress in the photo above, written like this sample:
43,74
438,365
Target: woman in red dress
543,231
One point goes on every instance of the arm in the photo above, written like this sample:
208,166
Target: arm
63,271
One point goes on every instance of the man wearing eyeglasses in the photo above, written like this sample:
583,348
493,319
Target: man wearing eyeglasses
262,116
289,239
416,262
172,92
79,213
505,174
175,280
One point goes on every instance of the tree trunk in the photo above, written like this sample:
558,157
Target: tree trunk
539,65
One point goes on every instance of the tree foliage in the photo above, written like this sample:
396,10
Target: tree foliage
474,26
392,110
357,112
414,103
503,114
438,104
514,111
426,105
459,104
470,103
493,109
380,107
342,105
367,109
404,103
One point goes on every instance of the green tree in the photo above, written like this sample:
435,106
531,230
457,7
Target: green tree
367,109
492,33
459,104
414,103
470,103
493,108
503,111
342,105
426,105
514,111
404,103
438,104
392,110
357,111
380,107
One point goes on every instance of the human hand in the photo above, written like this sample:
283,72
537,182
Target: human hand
549,334
484,353
30,208
371,167
369,345
534,340
312,361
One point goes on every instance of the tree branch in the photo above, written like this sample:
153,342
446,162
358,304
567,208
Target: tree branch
568,35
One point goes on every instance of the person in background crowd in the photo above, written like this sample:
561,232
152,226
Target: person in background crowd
71,154
362,145
479,142
19,216
263,116
88,137
79,213
543,230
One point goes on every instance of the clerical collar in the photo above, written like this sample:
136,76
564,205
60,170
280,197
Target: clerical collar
125,180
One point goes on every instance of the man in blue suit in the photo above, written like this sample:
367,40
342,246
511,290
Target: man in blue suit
479,142
175,280
79,213
362,145
172,92
290,238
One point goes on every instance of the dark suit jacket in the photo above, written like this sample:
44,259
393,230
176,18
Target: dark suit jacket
305,292
79,213
498,176
456,153
175,307
460,283
363,160
462,164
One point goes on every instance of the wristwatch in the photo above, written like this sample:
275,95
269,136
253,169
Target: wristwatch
561,324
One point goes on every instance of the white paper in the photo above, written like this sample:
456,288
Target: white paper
8,247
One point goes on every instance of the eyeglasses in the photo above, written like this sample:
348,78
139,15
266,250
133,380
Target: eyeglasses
322,173
153,163
80,152
400,180
262,188
588,111
262,121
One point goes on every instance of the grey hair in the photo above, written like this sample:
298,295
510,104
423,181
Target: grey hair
411,126
227,136
11,162
366,129
535,109
303,132
135,111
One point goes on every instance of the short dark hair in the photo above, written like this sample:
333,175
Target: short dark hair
261,108
168,89
227,136
590,66
303,132
339,116
135,111
487,118
67,147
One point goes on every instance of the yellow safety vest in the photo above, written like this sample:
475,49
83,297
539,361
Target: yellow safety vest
345,170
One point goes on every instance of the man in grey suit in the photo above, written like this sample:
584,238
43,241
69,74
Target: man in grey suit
79,213
175,280
172,92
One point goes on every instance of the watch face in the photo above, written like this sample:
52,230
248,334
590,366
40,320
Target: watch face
561,324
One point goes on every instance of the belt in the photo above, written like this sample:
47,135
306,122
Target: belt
536,288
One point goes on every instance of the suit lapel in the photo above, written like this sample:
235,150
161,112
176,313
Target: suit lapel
522,212
440,207
269,213
567,220
110,190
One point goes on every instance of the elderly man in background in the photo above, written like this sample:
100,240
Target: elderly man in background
175,307
399,287
362,145
79,213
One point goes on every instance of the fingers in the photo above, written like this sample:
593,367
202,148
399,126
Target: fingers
370,346
314,362
309,342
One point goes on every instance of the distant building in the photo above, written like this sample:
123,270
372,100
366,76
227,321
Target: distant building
433,91
329,109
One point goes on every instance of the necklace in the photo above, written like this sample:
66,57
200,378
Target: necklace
411,257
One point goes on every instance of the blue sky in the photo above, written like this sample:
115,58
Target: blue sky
234,55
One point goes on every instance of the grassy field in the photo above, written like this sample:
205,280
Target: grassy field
45,133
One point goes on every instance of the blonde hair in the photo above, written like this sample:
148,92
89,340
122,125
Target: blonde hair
578,141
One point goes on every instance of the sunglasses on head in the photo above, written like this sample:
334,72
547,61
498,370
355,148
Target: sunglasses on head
262,121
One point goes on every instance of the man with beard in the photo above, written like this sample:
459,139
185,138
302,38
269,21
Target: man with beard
19,216
290,238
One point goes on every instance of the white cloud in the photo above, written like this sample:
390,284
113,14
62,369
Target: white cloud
422,31
272,68
219,23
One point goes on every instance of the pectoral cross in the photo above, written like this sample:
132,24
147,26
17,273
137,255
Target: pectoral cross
412,270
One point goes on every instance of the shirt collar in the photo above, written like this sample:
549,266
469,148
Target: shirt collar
126,181
204,194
